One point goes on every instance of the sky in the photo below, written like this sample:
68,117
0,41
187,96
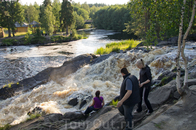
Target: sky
108,2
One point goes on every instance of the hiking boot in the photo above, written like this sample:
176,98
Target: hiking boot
149,112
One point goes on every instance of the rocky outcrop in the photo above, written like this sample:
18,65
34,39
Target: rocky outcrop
81,98
46,75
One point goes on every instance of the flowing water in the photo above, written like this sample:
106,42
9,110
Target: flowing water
52,97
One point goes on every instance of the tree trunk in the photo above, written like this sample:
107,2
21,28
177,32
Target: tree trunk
178,85
183,46
13,32
9,31
67,30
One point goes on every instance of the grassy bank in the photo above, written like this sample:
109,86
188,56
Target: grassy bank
37,38
117,46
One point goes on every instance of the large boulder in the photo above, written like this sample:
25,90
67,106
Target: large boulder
46,75
82,98
166,77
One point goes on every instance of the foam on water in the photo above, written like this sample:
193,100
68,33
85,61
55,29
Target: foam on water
104,76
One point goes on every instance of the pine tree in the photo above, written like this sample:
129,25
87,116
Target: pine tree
66,17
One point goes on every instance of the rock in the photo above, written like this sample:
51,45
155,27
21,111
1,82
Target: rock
191,82
100,59
74,116
192,75
191,37
180,116
193,87
166,77
46,75
36,110
177,95
115,99
83,98
73,102
53,117
99,113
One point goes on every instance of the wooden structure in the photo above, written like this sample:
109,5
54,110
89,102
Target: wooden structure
21,28
34,25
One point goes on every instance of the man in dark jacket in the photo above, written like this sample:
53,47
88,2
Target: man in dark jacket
129,96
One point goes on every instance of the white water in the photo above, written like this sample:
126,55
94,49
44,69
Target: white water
105,76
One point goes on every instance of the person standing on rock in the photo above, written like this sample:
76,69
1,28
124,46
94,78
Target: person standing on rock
129,96
98,103
145,78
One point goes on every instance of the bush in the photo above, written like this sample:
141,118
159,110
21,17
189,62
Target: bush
114,103
9,42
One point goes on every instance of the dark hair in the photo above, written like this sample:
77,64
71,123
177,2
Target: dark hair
124,71
97,93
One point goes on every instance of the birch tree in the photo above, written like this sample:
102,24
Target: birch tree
181,46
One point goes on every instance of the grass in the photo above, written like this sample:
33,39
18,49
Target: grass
6,127
117,46
9,85
33,116
18,34
159,125
163,81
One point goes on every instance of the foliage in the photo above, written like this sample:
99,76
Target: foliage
56,8
9,42
66,16
156,20
164,80
112,17
33,116
114,103
117,46
10,12
48,20
31,13
6,127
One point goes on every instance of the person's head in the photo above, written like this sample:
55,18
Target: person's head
97,93
140,64
124,71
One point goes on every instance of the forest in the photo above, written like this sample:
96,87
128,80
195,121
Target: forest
149,20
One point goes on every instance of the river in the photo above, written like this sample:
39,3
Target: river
19,62
53,97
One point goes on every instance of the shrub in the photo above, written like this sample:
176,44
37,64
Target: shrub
9,42
114,103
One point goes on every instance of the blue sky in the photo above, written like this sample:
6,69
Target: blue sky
81,1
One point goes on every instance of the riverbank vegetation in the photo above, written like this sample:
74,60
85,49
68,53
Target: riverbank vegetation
117,46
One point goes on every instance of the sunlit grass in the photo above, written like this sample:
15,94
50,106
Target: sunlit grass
18,34
117,46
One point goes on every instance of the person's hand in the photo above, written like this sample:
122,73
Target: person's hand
141,85
119,104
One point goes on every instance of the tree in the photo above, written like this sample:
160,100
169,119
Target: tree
48,20
47,2
11,12
66,16
56,7
183,90
32,14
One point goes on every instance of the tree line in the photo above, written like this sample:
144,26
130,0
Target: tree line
62,15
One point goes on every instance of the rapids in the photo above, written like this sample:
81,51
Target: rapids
104,76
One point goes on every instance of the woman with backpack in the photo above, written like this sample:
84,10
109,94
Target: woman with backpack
98,103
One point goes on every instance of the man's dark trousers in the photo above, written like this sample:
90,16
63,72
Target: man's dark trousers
127,112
